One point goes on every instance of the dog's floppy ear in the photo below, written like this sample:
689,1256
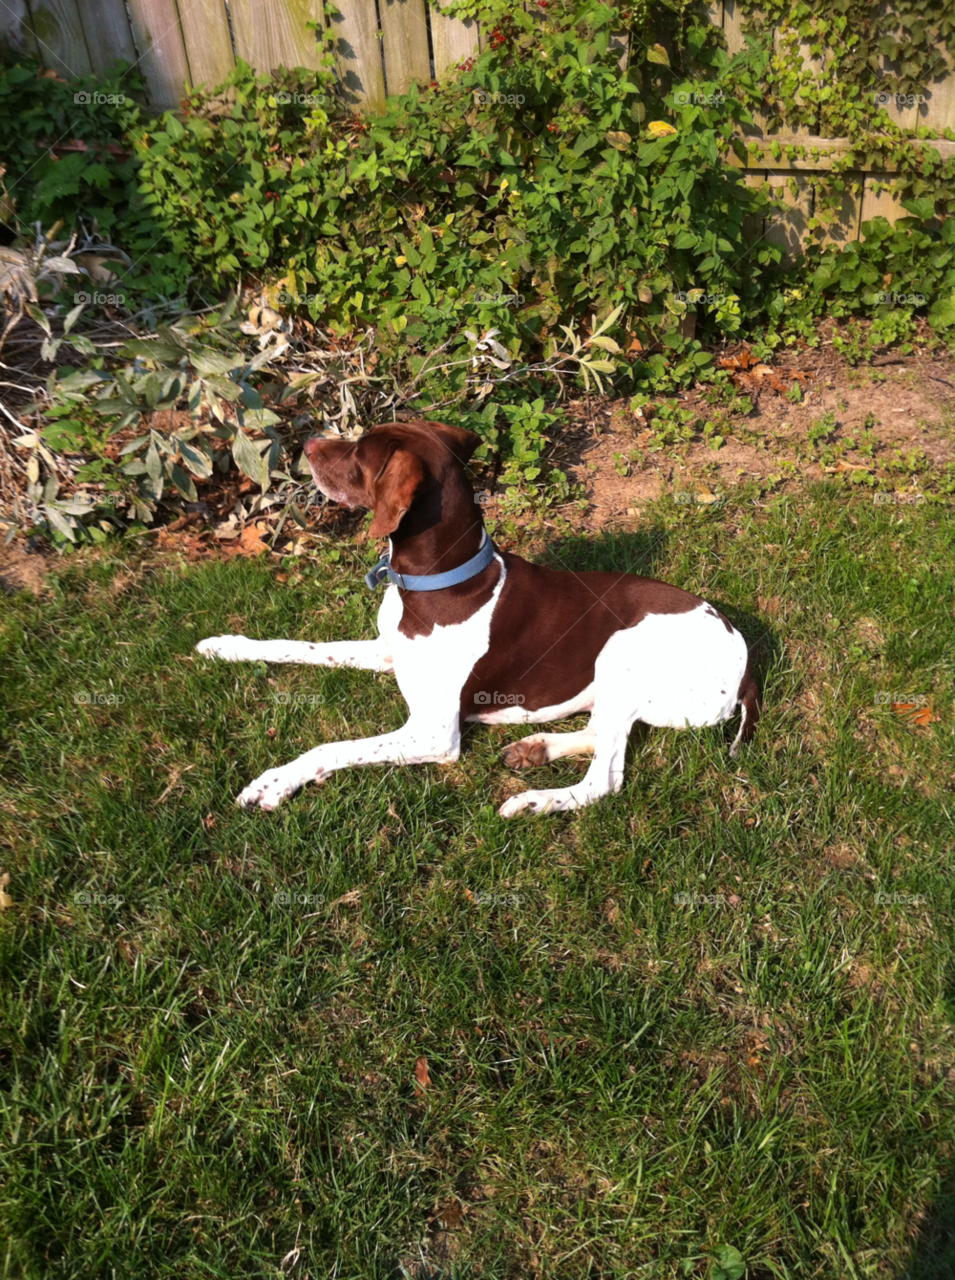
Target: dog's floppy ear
461,443
402,478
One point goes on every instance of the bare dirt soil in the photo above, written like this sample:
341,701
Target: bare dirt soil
904,404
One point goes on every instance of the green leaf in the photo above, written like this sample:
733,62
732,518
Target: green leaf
72,317
923,207
41,318
259,418
657,53
729,1264
164,352
209,363
196,460
606,344
59,522
183,482
942,314
248,459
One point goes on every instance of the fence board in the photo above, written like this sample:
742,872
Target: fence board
823,151
358,54
15,29
733,16
453,41
733,26
790,227
754,227
881,204
272,33
846,226
107,32
205,30
939,111
162,55
404,28
58,31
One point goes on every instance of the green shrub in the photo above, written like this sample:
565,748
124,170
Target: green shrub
71,155
539,184
893,273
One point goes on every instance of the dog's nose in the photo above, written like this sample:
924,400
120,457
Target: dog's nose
310,447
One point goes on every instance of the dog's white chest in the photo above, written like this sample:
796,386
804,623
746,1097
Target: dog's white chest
433,669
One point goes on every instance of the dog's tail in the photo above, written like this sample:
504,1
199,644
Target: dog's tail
748,700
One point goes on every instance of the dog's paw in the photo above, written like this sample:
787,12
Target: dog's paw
525,754
268,791
530,802
226,648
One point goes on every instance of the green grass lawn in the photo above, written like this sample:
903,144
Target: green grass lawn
204,1074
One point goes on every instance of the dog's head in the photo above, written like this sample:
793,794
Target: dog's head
390,468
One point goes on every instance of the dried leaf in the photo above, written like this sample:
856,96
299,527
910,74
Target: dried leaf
249,542
422,1079
6,902
350,899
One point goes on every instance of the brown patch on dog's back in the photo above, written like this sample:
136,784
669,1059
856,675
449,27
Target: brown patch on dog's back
550,626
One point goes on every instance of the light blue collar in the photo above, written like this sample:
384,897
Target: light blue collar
433,581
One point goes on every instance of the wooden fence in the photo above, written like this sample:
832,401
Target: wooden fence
380,48
383,48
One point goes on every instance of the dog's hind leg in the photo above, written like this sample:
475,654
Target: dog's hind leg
604,775
542,748
749,711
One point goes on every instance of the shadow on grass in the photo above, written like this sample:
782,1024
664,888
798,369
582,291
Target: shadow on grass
933,1254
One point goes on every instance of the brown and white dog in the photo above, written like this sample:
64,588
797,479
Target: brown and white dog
516,643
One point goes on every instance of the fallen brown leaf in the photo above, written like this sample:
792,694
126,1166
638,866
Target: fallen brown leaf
250,542
422,1079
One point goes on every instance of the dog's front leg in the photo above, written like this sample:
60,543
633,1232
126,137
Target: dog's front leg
368,655
417,742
